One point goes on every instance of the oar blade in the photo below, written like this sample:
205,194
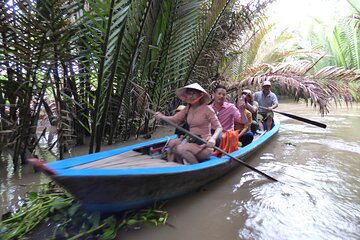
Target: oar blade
302,119
318,124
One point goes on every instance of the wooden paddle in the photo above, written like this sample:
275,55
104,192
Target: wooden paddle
299,118
219,149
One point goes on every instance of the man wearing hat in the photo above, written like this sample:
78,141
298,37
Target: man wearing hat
267,102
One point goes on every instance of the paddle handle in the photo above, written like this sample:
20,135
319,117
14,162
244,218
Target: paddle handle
217,148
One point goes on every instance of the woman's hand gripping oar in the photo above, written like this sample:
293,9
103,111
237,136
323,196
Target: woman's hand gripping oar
219,149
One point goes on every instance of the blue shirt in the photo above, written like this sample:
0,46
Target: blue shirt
265,101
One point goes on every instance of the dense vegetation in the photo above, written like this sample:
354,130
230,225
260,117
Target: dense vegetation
103,63
94,66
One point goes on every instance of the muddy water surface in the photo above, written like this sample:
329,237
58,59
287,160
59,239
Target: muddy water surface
318,196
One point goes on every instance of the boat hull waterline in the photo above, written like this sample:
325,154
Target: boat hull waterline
106,187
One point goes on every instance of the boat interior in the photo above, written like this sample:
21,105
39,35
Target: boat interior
153,156
146,157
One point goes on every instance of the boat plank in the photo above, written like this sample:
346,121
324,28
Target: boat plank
119,157
142,157
142,164
129,159
122,163
130,153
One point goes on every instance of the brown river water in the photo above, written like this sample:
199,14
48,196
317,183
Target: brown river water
318,196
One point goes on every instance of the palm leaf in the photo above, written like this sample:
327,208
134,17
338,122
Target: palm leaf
113,36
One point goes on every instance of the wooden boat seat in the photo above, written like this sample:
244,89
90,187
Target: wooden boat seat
129,159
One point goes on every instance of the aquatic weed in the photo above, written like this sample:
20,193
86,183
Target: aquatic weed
54,205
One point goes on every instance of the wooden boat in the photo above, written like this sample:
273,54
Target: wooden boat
135,176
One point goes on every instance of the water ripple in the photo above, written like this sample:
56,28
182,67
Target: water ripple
305,204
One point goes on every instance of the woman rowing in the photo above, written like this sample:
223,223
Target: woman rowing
201,118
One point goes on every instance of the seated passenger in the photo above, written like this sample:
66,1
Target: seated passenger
267,102
245,135
200,117
226,112
252,106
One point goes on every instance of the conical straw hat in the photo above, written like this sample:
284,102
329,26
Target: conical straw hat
182,91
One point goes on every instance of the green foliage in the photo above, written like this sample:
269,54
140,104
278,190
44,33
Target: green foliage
152,216
53,205
104,63
340,43
36,208
321,69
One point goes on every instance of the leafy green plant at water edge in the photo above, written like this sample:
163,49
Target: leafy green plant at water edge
53,205
151,215
36,208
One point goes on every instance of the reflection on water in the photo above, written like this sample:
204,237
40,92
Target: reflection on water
15,184
317,196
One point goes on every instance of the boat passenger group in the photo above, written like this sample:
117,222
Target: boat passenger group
219,122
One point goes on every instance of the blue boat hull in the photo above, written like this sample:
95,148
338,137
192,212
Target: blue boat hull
112,190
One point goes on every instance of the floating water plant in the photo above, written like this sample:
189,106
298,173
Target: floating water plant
53,205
